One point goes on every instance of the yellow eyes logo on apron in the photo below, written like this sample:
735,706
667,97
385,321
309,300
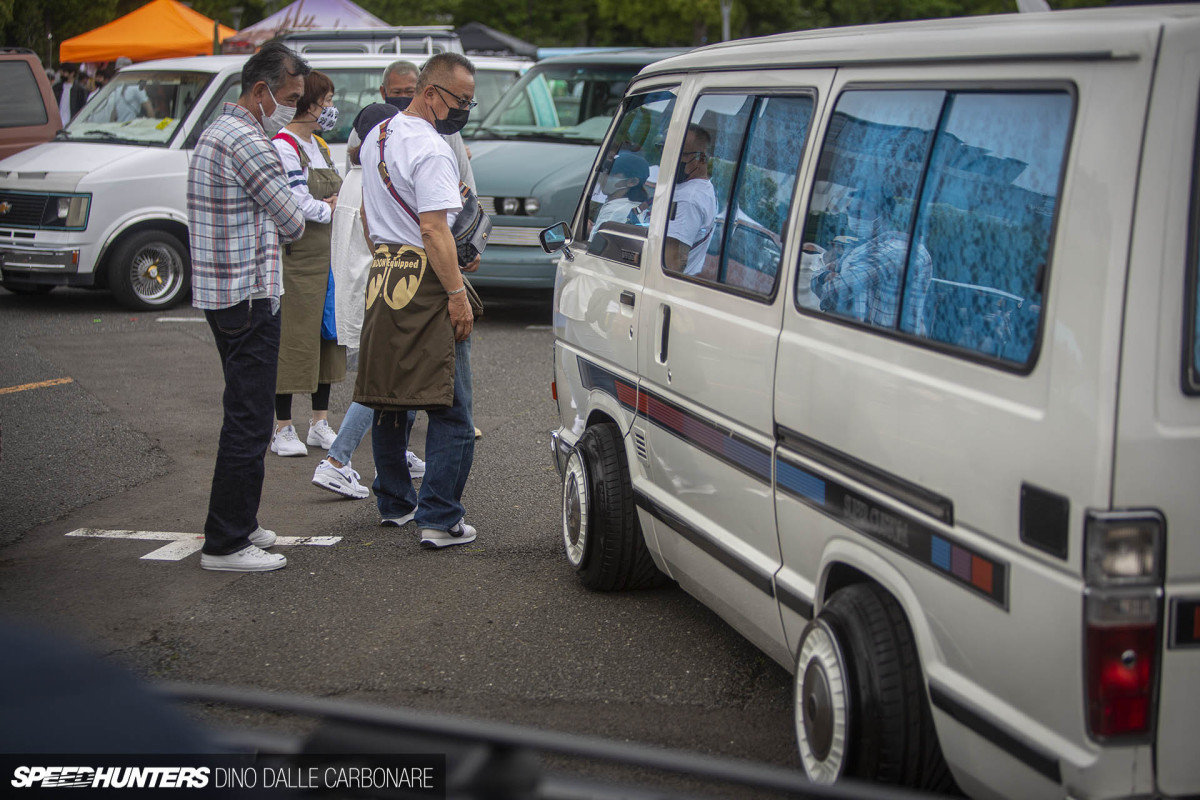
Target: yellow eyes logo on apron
396,273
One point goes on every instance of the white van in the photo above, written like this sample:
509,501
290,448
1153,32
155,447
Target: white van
897,368
105,205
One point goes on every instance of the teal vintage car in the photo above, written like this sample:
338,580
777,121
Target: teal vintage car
532,152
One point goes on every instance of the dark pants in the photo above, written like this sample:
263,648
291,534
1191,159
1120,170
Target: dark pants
247,337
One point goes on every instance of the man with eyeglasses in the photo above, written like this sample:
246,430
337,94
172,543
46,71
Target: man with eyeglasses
415,347
693,207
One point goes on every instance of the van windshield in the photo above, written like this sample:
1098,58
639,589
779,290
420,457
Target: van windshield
559,103
138,108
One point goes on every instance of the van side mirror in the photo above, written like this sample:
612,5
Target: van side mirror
557,237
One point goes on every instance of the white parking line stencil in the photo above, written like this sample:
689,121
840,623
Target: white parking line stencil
181,545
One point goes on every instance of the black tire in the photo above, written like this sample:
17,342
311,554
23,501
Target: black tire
861,709
600,528
150,271
18,287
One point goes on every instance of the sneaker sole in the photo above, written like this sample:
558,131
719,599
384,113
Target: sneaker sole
437,543
242,567
398,522
415,474
340,488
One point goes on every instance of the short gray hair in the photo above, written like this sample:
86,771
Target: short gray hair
273,64
402,67
441,67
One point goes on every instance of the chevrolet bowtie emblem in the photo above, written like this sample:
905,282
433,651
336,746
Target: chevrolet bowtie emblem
5,207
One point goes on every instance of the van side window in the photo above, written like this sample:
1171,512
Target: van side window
623,186
932,212
733,186
23,104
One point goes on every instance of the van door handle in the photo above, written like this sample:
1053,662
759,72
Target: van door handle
628,298
666,335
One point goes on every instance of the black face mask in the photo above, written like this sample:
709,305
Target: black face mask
455,119
681,173
399,102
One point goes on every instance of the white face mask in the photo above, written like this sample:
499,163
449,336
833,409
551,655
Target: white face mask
328,118
279,118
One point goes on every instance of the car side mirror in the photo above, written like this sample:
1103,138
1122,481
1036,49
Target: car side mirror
557,237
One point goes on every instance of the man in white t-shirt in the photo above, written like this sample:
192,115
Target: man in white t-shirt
694,206
415,212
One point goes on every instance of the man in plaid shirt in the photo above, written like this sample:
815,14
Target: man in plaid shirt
240,210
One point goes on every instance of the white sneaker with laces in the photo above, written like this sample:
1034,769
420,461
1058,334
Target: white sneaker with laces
342,480
262,538
416,467
320,434
285,442
251,559
461,533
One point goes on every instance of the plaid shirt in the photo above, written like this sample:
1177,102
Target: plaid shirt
866,285
240,210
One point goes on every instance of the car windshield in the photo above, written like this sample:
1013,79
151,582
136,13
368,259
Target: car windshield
559,103
138,108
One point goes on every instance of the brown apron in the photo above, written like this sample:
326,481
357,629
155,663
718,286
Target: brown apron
305,359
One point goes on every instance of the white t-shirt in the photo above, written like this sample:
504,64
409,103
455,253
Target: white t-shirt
64,102
314,208
423,171
695,213
615,210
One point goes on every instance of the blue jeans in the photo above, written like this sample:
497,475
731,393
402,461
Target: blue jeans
354,427
449,453
247,336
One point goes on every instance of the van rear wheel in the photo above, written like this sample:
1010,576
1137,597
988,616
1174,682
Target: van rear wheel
860,704
601,534
150,271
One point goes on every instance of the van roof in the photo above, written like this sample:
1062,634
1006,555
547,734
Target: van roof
635,57
1116,32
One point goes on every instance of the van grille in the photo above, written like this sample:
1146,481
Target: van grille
521,237
22,210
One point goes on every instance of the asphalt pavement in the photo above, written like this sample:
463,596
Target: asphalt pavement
109,422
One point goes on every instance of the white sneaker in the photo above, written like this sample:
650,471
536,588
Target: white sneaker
396,522
285,442
251,559
416,467
320,434
461,533
342,480
262,538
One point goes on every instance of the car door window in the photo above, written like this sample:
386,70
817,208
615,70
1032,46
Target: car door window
931,215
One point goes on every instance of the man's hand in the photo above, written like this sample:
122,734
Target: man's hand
332,200
474,265
461,316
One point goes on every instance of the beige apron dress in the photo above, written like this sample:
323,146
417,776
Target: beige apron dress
305,359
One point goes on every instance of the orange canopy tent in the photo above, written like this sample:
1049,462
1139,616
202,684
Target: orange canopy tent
159,29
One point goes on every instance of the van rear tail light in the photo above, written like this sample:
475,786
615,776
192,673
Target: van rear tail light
1123,558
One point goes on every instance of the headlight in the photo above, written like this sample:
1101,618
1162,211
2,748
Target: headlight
67,212
509,205
532,206
512,206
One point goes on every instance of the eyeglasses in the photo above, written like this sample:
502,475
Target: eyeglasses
463,103
690,155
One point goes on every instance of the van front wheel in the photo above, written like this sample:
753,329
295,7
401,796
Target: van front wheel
149,271
860,703
601,534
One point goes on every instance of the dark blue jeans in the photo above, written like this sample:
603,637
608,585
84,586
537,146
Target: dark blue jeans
449,453
247,336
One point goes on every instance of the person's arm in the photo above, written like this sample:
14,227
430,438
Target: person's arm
314,209
260,172
443,258
682,231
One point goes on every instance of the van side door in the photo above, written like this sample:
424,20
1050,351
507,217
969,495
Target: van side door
1158,420
597,292
710,319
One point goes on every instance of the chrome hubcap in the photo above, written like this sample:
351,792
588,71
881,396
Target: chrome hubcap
575,510
156,272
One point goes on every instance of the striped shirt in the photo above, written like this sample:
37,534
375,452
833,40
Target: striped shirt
240,210
868,282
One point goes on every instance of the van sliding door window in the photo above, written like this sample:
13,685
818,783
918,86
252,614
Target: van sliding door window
619,196
733,187
932,213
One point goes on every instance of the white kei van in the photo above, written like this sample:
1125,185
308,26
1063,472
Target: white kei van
897,368
105,204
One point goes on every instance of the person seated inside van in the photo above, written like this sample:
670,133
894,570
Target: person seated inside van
866,282
625,188
694,206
